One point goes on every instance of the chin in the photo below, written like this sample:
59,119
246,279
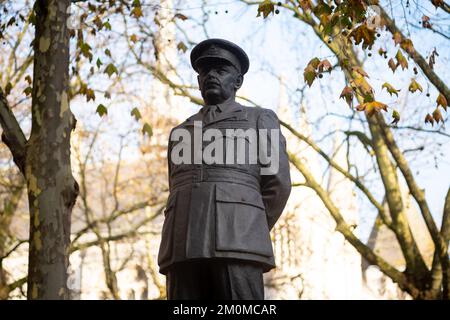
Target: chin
212,95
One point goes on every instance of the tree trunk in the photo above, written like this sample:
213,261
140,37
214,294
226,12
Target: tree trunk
52,190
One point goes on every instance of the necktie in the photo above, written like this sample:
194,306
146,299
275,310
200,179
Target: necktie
211,113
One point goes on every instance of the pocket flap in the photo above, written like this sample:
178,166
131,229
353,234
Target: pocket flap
239,194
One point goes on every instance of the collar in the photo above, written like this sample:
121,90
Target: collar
228,106
228,111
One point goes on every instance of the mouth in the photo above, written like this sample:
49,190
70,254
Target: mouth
211,84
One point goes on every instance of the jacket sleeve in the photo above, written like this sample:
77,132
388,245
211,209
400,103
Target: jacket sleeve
169,161
275,188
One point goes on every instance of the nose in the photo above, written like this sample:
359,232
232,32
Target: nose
212,74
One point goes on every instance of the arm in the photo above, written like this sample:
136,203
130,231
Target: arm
169,161
275,188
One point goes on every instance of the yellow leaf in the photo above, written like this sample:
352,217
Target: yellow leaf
372,107
395,117
401,60
390,89
414,86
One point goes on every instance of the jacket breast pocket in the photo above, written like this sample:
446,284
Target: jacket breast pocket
165,248
241,223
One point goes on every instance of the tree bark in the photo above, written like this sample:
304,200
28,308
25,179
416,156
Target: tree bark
52,190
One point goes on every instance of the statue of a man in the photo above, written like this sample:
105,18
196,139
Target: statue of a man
226,189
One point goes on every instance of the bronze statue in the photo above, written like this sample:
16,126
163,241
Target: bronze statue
222,205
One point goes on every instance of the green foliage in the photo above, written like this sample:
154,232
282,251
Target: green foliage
147,130
111,69
136,114
101,110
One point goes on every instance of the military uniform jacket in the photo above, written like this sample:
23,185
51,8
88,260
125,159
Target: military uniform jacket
224,210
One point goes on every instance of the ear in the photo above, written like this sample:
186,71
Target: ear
239,81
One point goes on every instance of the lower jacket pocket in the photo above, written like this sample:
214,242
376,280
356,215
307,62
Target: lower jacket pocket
241,223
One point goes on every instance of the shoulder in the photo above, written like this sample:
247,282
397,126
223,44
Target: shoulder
260,112
266,118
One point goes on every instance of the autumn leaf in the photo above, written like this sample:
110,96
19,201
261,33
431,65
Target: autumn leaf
397,37
99,63
392,65
85,50
401,60
382,52
426,22
180,16
414,86
28,90
347,94
136,12
324,66
90,94
395,117
133,38
98,22
101,110
442,101
390,89
108,53
429,119
437,3
110,69
371,107
28,79
363,34
181,46
437,116
107,25
265,8
147,129
136,114
306,5
309,74
314,62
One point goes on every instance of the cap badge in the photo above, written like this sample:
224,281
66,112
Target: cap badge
212,50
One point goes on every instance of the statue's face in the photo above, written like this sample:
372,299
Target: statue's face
218,81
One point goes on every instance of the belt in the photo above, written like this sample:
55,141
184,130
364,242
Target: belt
199,175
